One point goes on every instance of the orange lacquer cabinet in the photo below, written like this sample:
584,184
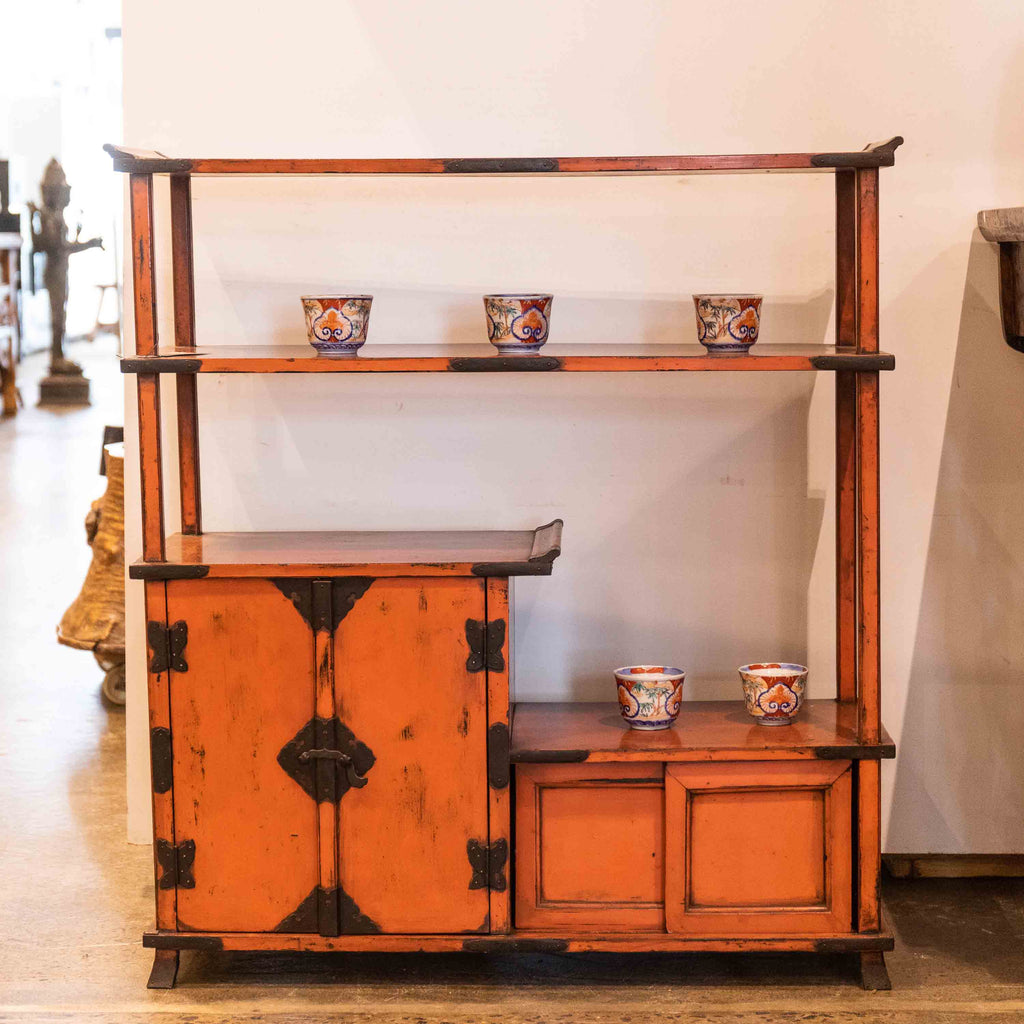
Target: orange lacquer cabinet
327,772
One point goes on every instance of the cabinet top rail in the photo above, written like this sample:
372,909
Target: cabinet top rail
881,154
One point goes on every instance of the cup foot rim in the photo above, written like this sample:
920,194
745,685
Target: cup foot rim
774,721
718,349
518,350
337,353
650,728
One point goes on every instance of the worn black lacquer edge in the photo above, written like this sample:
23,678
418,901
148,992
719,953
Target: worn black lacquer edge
865,362
502,165
504,364
134,162
511,569
877,752
500,944
549,756
160,364
176,940
166,571
880,154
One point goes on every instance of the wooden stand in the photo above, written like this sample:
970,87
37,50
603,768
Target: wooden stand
335,769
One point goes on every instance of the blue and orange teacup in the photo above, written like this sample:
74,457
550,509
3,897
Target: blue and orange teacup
773,691
336,324
517,323
727,323
649,695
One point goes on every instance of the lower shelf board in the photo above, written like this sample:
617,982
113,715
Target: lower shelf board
707,730
515,942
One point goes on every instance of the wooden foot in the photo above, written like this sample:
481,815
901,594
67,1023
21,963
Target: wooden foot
165,969
873,974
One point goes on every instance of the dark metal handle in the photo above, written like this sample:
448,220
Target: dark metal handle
355,780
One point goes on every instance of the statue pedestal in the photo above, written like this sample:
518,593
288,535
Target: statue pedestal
64,389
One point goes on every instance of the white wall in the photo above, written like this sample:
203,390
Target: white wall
698,511
60,95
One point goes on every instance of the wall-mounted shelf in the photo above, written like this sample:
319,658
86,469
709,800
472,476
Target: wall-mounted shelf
484,358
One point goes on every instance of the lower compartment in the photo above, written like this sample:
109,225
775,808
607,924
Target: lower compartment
755,848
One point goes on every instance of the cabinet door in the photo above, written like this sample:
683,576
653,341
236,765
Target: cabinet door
589,847
759,848
244,691
413,840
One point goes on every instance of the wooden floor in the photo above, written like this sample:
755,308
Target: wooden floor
74,897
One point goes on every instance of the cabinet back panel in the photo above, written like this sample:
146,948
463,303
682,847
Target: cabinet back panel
248,690
403,687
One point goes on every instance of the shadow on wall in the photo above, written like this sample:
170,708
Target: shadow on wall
960,774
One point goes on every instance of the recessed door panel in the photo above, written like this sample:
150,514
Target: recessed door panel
759,848
413,840
589,847
246,692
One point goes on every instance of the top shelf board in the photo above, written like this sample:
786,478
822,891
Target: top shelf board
880,154
485,358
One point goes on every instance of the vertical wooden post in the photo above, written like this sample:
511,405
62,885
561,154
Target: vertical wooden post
846,440
160,748
328,909
499,732
868,655
869,842
869,795
144,292
185,337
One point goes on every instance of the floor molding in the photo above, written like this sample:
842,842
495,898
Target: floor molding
954,865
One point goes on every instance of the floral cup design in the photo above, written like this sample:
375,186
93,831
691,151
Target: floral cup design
336,324
649,695
773,691
727,323
517,323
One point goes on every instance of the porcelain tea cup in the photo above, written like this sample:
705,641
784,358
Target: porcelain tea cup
517,323
336,324
649,695
773,691
727,323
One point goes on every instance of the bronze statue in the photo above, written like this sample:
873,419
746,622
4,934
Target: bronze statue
65,384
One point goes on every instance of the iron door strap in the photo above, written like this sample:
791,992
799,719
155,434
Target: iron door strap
168,646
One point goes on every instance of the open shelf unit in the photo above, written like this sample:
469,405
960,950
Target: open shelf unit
483,359
824,768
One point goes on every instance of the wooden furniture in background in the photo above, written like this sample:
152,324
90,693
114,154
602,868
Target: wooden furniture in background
10,319
324,669
1006,227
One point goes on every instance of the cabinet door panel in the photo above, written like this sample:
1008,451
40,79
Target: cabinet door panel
247,691
589,847
758,848
403,688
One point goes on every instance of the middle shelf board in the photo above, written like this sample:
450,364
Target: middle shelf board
707,730
485,358
357,553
